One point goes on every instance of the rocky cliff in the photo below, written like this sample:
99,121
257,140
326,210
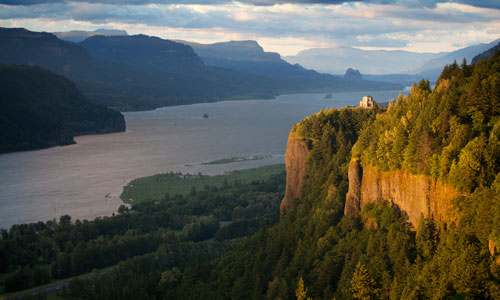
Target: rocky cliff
417,195
355,174
296,154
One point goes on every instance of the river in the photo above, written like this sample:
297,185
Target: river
85,180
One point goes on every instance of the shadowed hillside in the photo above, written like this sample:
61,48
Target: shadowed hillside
41,109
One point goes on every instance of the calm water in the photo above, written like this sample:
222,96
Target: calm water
86,179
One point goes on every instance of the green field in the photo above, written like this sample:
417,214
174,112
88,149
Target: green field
155,187
237,159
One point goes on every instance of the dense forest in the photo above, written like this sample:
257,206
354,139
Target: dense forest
148,238
41,109
450,133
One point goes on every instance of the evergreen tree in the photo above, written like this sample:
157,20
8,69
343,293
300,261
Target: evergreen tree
362,285
301,291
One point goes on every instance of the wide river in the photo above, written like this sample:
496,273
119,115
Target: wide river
85,180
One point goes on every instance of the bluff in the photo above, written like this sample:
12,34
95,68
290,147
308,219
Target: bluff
318,152
429,154
295,159
417,195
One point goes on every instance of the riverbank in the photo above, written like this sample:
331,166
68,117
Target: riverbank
75,180
156,187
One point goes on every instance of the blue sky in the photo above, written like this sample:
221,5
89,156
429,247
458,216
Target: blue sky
282,26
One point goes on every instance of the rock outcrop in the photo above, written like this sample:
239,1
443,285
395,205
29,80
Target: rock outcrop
355,173
353,74
417,195
295,158
492,246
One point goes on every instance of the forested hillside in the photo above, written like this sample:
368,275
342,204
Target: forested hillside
486,54
449,133
41,109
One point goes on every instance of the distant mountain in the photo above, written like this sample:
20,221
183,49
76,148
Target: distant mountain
77,36
406,80
141,72
250,57
125,83
432,68
233,51
353,74
383,65
21,46
41,109
337,60
486,54
144,52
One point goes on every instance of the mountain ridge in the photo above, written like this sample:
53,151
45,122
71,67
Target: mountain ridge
127,75
77,36
379,63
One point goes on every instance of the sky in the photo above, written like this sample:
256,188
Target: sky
283,26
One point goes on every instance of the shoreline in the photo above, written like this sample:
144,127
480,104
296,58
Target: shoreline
265,99
78,184
236,173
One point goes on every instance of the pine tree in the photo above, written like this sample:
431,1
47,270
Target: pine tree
301,291
362,285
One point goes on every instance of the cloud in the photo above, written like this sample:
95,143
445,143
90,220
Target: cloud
379,41
495,4
285,27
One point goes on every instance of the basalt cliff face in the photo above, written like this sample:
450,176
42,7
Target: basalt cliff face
295,158
418,195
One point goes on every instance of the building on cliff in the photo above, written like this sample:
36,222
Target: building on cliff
367,102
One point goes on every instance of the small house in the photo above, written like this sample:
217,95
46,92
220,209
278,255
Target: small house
367,102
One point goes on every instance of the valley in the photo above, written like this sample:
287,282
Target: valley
261,149
75,179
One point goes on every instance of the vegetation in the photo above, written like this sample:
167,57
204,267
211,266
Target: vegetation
237,159
159,186
451,133
41,109
338,256
315,252
486,54
151,235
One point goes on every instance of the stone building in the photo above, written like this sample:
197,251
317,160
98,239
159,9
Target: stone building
367,102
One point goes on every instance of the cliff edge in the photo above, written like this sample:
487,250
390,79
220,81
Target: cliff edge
418,195
296,154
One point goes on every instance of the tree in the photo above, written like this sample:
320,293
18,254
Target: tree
301,291
362,285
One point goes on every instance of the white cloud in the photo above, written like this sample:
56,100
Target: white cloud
286,28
